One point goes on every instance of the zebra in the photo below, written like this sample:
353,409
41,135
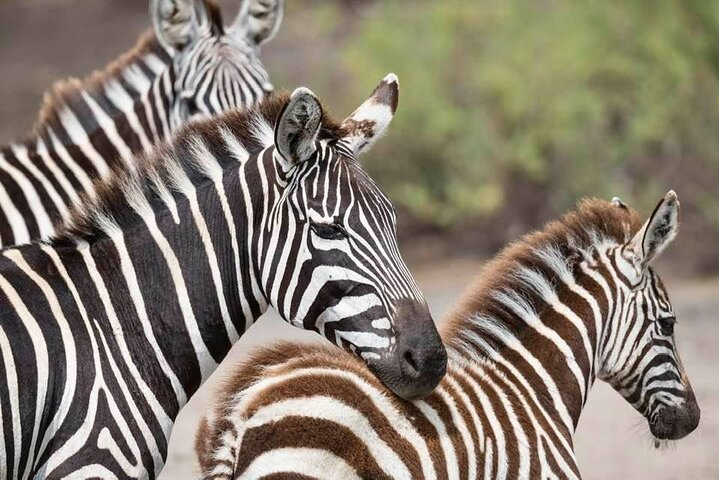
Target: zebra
109,327
189,68
563,306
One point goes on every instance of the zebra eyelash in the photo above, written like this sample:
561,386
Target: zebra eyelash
329,231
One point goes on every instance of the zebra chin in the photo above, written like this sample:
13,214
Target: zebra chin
418,361
676,422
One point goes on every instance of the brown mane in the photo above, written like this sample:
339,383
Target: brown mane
110,199
68,92
592,220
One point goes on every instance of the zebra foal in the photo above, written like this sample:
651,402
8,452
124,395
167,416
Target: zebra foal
108,329
573,302
190,67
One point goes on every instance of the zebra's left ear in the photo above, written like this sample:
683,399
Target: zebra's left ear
369,121
258,20
658,232
297,128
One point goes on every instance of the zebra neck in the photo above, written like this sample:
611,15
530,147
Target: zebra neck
184,271
93,125
542,334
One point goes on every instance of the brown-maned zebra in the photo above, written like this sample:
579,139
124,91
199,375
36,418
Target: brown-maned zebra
190,67
573,302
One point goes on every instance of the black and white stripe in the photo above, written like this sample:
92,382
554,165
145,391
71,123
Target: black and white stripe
108,329
88,128
572,303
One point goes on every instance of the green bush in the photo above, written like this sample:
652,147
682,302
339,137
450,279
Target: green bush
583,98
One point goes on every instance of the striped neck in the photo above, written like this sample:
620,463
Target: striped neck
110,115
188,230
541,310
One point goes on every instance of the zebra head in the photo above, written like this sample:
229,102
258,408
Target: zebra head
215,68
344,277
639,354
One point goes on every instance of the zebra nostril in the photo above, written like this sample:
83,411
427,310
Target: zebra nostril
410,365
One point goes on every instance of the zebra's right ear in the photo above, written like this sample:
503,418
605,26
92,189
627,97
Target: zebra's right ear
366,124
178,22
658,232
297,127
258,20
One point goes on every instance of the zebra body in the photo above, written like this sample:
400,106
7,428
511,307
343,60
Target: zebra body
558,309
109,328
87,129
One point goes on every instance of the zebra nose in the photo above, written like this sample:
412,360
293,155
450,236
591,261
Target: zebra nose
422,357
420,361
673,423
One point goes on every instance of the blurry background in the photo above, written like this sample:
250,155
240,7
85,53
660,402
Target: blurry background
510,111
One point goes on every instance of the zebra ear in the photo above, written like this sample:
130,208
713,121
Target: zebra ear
297,127
258,20
658,232
370,120
178,22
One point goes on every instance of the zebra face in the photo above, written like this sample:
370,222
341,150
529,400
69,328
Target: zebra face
640,359
215,69
347,279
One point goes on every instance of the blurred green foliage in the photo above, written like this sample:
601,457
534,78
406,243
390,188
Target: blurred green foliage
580,98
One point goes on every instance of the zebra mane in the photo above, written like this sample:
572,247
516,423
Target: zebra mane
197,153
68,94
516,279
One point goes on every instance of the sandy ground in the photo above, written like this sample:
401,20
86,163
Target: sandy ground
612,441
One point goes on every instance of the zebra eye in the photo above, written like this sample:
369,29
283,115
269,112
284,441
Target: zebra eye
329,231
666,324
191,107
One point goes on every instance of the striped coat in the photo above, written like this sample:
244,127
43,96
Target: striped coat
574,302
108,329
87,128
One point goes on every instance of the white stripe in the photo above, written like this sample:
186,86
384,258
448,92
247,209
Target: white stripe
183,183
12,215
78,136
304,461
12,385
68,345
396,419
126,104
130,276
21,153
107,125
327,408
206,363
450,455
32,198
42,365
66,158
159,413
59,175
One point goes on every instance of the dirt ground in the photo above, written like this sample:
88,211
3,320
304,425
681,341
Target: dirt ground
44,40
612,441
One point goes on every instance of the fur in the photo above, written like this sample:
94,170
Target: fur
168,162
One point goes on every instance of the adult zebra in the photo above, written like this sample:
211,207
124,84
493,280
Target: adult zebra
108,329
191,67
552,312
